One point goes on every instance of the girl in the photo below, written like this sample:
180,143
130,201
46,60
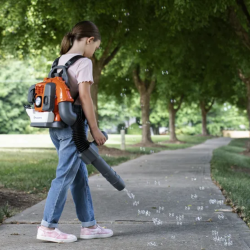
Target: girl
83,39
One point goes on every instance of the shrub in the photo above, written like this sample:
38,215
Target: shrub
187,130
134,129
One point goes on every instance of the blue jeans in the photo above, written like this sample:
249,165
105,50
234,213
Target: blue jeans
71,173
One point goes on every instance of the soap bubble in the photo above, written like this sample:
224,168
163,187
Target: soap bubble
135,203
157,221
212,201
199,208
220,202
159,210
220,216
130,195
165,72
144,212
179,217
193,179
227,241
187,208
199,218
157,183
194,196
151,244
214,233
201,188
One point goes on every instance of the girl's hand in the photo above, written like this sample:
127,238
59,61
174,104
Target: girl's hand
98,136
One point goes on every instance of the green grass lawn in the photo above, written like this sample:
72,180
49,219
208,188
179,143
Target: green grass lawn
33,171
232,171
114,141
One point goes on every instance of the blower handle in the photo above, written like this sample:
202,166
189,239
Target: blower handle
62,73
105,134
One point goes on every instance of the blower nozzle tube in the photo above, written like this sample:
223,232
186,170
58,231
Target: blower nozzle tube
89,154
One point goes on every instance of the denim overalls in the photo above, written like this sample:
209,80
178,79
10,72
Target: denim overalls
71,173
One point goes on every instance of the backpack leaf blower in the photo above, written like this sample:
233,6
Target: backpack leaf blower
52,108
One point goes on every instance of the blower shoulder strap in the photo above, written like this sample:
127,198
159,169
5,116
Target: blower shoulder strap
62,73
70,62
55,63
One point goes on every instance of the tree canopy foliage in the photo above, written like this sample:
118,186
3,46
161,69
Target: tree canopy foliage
185,51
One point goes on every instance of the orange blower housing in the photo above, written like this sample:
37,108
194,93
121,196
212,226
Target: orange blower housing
47,97
52,99
62,94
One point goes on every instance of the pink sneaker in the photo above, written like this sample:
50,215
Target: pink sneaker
54,235
99,232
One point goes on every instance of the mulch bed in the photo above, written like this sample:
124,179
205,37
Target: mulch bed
18,200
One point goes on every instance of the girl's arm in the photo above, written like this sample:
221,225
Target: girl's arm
87,105
88,108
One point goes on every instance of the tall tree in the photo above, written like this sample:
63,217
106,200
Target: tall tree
192,15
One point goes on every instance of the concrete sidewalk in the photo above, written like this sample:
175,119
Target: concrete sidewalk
176,210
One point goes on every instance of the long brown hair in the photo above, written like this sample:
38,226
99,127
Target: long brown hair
80,30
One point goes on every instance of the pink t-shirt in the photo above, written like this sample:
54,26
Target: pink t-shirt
80,71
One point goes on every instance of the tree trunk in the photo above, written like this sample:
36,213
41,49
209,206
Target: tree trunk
248,102
145,89
204,117
172,113
145,104
98,65
240,31
246,80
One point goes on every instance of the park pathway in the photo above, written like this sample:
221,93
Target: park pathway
170,203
